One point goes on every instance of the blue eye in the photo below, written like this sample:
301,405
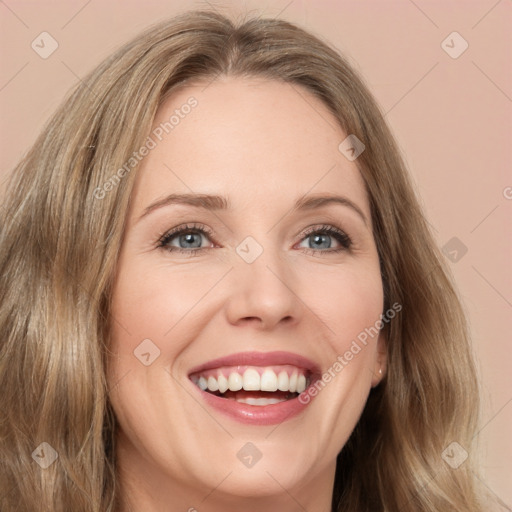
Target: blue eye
321,238
189,239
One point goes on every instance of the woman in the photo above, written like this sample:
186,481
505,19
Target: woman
306,351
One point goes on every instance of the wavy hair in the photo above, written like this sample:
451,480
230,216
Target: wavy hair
60,244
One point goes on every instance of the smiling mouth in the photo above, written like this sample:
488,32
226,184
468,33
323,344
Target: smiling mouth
254,385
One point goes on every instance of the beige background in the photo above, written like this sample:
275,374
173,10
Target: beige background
451,116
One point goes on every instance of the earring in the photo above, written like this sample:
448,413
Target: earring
380,371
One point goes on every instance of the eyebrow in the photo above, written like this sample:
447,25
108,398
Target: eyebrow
215,203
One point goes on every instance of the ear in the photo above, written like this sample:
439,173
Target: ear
380,364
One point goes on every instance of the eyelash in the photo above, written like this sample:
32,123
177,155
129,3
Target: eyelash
325,229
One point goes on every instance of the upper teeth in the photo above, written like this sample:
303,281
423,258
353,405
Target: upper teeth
253,379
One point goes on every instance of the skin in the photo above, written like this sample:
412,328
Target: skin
262,144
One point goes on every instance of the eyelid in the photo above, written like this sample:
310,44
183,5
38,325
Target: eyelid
343,239
183,228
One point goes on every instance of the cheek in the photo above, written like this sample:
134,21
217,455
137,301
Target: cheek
154,303
350,308
349,302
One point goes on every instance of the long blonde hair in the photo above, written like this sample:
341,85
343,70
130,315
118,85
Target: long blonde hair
60,243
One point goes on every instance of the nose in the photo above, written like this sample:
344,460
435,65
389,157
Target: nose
262,293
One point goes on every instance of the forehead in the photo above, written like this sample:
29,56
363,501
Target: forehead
250,139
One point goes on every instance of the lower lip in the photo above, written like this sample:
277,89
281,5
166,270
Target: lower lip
255,414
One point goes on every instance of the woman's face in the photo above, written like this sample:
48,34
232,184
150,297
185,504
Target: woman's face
267,287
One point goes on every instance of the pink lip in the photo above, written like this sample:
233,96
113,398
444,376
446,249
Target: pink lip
253,414
259,359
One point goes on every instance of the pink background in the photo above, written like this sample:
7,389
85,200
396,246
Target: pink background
451,116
